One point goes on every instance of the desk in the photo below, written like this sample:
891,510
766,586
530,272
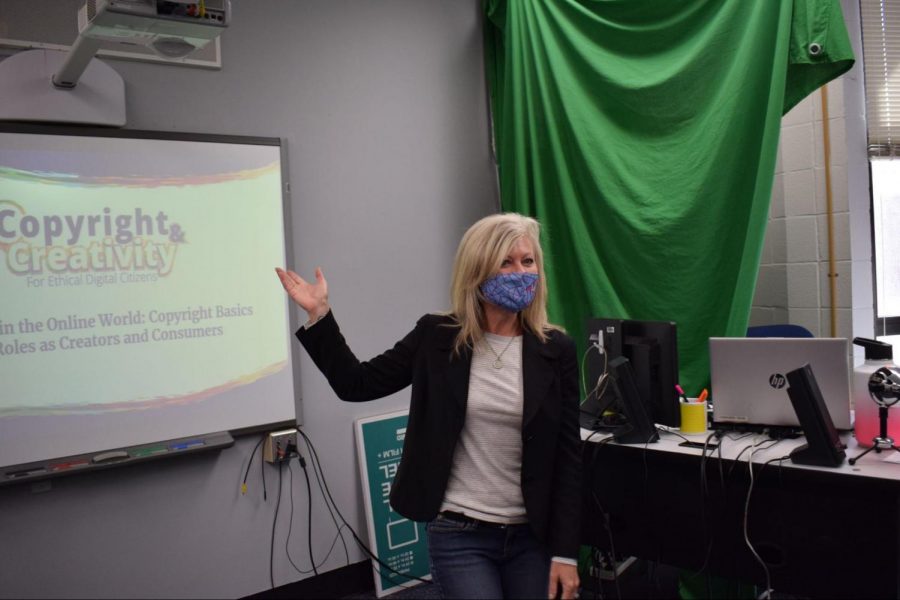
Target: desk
822,532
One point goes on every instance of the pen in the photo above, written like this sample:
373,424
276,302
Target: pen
681,393
703,395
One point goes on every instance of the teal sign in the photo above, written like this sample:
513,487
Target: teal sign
394,539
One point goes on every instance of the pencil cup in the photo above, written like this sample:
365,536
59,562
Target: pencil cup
693,417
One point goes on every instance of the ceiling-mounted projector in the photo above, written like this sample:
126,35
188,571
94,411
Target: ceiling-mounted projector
172,29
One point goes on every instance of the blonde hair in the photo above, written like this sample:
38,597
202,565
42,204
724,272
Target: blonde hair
481,252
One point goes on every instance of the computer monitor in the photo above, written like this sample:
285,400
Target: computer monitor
651,348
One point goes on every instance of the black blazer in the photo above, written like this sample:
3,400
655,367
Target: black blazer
551,464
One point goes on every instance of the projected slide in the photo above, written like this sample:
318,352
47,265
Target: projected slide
139,301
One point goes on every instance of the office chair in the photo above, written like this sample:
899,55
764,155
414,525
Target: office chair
781,330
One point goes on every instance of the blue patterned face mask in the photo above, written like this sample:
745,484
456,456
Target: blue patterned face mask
512,291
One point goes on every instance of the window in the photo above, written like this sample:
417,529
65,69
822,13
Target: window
881,56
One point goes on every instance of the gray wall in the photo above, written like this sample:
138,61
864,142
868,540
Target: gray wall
383,107
793,283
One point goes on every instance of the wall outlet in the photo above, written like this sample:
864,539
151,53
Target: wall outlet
280,446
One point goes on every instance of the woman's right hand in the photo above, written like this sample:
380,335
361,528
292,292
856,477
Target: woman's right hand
311,297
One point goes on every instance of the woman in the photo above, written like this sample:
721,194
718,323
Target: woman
491,457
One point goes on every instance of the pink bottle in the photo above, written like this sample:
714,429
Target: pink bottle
866,426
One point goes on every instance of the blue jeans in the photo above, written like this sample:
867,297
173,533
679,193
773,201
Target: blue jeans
473,560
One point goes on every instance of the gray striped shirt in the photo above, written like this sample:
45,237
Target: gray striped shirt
485,480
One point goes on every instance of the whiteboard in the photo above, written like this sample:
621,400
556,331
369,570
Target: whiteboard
140,301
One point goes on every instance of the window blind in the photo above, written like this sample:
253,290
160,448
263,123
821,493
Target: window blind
881,54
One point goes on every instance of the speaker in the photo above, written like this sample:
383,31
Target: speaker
823,447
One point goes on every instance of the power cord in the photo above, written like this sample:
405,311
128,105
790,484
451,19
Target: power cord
652,515
604,376
359,542
705,505
768,591
721,436
274,522
737,458
287,549
277,508
292,450
598,432
247,471
312,559
661,429
606,521
319,479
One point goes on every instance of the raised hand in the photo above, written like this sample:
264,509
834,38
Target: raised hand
311,297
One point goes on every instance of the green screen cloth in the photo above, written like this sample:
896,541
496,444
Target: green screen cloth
643,135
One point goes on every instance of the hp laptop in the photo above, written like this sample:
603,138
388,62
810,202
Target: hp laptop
749,383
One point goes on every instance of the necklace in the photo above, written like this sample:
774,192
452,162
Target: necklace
498,363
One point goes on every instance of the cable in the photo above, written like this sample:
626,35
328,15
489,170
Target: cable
771,460
646,468
584,387
647,498
291,521
247,471
599,594
312,559
704,492
338,528
612,547
596,432
704,488
602,380
606,521
704,484
722,478
737,459
722,462
359,542
667,429
287,549
274,522
598,564
768,592
262,468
